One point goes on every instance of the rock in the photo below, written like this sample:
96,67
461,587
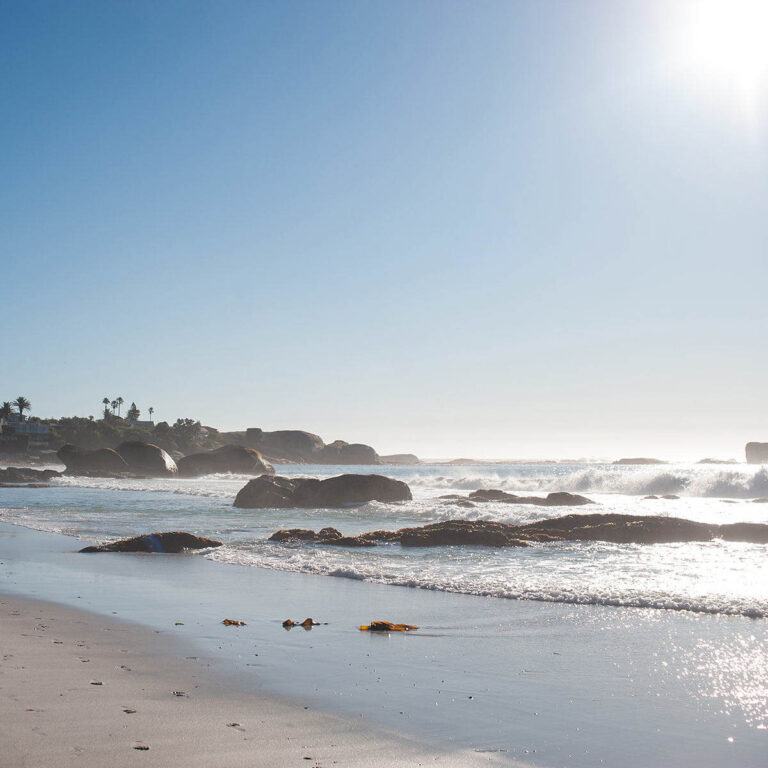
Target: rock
402,459
755,533
717,461
483,533
760,501
285,444
640,461
235,459
99,462
670,496
283,492
147,459
557,499
340,452
650,497
26,475
349,541
757,453
170,542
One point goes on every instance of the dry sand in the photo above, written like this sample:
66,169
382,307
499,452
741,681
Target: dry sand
80,690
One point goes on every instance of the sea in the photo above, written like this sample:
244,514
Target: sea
714,577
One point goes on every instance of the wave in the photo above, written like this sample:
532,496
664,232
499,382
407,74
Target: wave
706,483
399,574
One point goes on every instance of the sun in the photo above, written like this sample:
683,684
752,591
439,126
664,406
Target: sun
723,45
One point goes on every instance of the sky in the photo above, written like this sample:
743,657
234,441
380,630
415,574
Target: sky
487,229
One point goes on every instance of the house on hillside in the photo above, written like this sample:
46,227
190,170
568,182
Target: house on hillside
19,434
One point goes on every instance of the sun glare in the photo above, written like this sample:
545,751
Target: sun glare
723,45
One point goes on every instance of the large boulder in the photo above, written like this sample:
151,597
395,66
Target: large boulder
99,462
339,452
147,459
283,492
757,453
484,533
285,445
236,459
170,542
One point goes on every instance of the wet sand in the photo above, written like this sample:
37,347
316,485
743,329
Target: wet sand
81,690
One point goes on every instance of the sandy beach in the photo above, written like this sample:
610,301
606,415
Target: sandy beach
81,690
483,681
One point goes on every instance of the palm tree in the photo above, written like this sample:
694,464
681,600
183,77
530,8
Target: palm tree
5,410
114,406
106,407
150,410
120,402
22,404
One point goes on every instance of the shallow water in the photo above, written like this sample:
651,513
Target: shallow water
713,577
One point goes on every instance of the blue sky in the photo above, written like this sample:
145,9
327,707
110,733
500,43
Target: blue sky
504,229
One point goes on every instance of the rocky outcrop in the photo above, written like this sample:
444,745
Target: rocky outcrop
296,446
640,461
170,542
402,459
147,459
235,459
285,444
283,492
27,475
557,499
619,529
757,453
99,462
339,452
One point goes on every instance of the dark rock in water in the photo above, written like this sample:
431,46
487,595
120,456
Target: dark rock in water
483,533
147,459
236,459
760,501
99,462
349,541
283,492
170,542
640,461
26,475
757,453
717,461
670,496
324,536
650,497
558,499
755,533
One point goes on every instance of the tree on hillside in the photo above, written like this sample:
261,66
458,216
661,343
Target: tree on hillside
6,409
120,402
22,404
106,407
150,410
113,405
133,413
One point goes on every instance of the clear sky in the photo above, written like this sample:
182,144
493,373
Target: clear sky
489,229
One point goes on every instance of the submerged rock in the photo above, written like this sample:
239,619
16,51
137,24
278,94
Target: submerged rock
170,542
236,459
282,492
557,499
640,461
619,529
147,459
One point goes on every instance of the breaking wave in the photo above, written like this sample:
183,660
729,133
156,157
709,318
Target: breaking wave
745,483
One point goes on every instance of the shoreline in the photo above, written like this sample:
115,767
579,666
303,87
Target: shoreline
542,684
81,690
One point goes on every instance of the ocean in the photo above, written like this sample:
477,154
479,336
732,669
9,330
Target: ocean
712,577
